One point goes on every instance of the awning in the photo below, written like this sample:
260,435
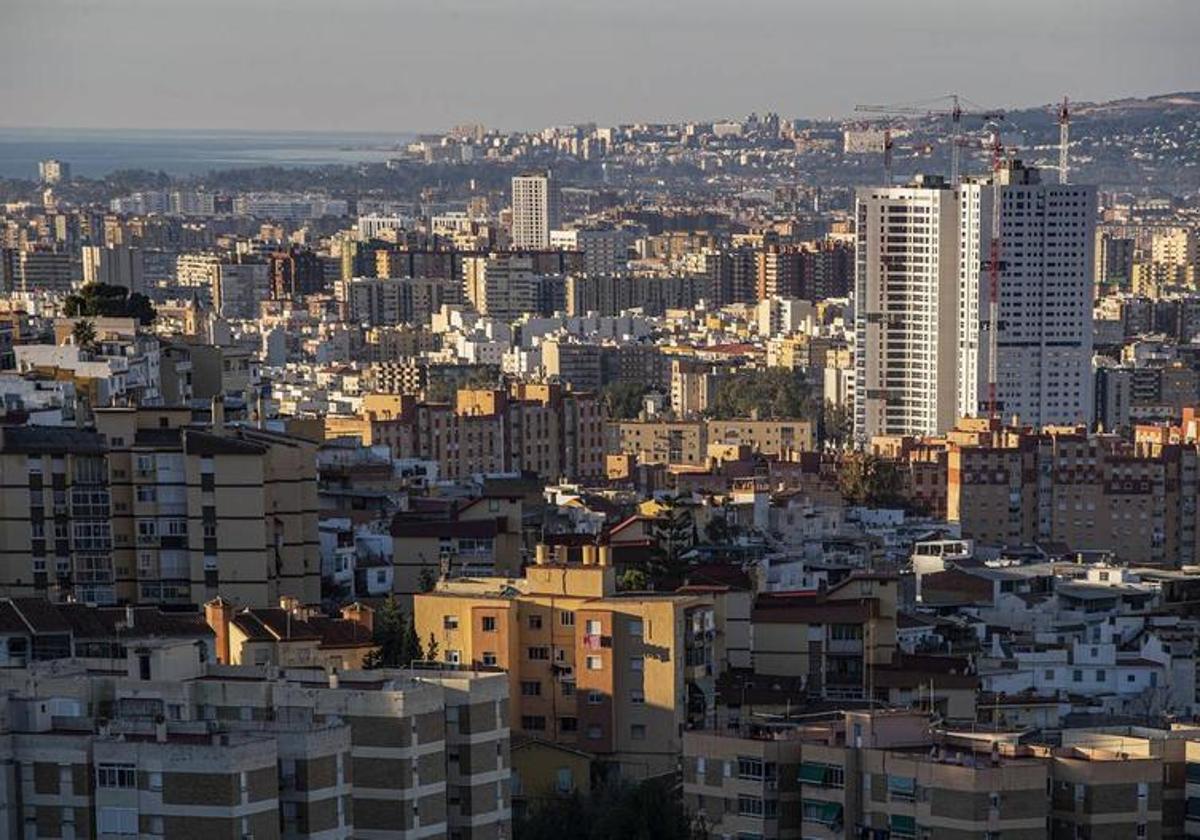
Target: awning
813,774
902,784
822,812
903,825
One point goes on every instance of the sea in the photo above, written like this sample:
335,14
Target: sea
94,153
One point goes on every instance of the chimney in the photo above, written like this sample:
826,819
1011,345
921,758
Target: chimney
334,680
604,555
561,554
360,614
589,555
218,414
541,554
218,613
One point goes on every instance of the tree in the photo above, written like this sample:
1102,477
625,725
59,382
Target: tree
647,811
395,638
674,533
431,649
624,399
838,424
632,580
426,579
84,335
774,393
866,479
719,531
100,300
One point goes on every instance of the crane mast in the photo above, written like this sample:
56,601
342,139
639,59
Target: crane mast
1064,137
954,111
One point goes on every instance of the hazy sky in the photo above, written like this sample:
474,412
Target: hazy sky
412,65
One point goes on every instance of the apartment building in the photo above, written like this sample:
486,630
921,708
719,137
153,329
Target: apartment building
779,271
193,750
849,630
574,363
610,295
544,429
535,209
237,289
506,286
894,774
614,674
113,266
687,442
44,270
202,511
1044,315
386,301
56,535
603,250
906,309
1086,491
481,537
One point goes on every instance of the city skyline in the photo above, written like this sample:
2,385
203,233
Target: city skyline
189,65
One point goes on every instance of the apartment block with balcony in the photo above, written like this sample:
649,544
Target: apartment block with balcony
205,510
877,774
618,675
56,535
1087,491
181,748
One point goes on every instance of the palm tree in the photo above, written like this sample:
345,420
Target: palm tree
84,335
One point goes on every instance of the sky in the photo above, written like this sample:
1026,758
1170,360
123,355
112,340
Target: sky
424,65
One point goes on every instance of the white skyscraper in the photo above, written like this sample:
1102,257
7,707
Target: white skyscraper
1044,341
534,210
922,295
906,309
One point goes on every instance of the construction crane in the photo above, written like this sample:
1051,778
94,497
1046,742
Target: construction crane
1064,138
952,108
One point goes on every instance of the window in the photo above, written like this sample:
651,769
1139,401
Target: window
116,776
595,663
539,653
592,627
750,806
489,624
155,780
637,697
535,622
595,698
535,723
489,658
750,767
453,657
450,622
566,618
531,688
901,788
118,821
637,664
635,627
595,733
568,724
1077,675
564,781
638,732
